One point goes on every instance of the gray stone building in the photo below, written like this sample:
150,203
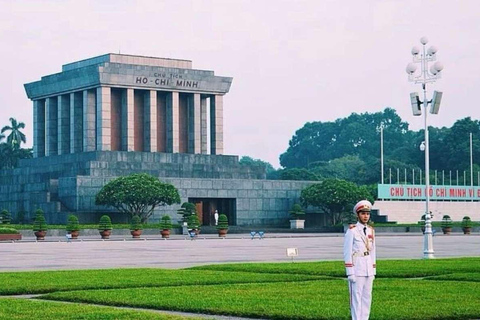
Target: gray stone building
114,115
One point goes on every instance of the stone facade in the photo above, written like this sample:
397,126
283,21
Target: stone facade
115,115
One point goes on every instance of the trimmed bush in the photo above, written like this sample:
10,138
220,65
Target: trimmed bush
186,210
40,223
193,222
72,223
6,217
166,223
467,222
8,231
446,221
297,212
136,223
222,222
105,223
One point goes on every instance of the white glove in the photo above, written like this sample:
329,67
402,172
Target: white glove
352,279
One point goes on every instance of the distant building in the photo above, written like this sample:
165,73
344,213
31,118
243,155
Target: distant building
114,115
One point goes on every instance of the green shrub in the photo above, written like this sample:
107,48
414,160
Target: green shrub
72,223
467,222
105,223
186,210
40,224
8,231
6,217
297,211
446,221
136,223
193,222
166,223
222,222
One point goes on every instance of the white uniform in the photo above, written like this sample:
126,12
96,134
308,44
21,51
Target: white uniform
360,261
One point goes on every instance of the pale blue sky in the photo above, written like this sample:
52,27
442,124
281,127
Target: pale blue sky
292,61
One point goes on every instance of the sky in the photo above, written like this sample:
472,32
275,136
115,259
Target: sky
292,62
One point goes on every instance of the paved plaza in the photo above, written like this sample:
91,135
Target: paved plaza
180,252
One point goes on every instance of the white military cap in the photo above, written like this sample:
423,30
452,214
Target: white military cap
362,205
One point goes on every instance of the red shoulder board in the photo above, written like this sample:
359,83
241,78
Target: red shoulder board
351,226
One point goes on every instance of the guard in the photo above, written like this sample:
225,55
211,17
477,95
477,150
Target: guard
360,261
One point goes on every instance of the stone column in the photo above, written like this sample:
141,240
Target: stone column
203,125
216,124
89,114
127,120
194,123
150,121
172,122
104,119
51,112
64,124
76,122
39,128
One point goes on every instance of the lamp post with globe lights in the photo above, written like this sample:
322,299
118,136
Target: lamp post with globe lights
426,75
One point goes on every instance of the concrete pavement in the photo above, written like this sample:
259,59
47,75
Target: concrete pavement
181,252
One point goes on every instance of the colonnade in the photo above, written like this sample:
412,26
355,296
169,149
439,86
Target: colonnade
127,119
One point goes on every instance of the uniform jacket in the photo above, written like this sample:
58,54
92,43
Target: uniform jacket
359,251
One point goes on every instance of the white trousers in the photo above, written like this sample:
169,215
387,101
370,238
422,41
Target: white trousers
361,297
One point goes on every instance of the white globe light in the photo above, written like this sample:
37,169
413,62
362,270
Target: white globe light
415,51
432,50
411,68
422,146
438,66
433,70
424,40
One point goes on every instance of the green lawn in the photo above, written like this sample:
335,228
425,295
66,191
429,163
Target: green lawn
404,289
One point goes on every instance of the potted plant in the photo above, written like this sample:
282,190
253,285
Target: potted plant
136,227
165,226
297,213
105,226
467,225
193,223
5,217
73,226
40,226
222,225
9,234
446,224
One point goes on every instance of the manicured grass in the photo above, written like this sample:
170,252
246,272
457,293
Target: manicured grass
385,268
404,289
323,299
11,308
50,281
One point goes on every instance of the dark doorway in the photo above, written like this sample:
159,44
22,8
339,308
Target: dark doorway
206,209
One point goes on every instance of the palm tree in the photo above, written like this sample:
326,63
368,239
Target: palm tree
16,137
2,136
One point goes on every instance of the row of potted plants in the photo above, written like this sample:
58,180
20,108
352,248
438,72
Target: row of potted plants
105,226
447,224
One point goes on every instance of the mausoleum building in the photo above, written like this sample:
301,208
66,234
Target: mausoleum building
117,114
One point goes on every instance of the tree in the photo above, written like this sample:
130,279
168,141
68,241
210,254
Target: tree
10,156
16,137
137,194
186,210
249,161
335,197
301,174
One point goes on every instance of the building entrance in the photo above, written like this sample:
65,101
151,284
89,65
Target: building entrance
206,209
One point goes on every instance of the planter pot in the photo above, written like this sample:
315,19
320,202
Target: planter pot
222,232
136,233
105,234
467,230
447,230
297,224
10,236
40,235
165,233
74,234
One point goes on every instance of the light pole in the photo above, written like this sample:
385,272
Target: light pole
425,76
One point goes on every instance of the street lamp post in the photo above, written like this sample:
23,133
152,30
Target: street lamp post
425,76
